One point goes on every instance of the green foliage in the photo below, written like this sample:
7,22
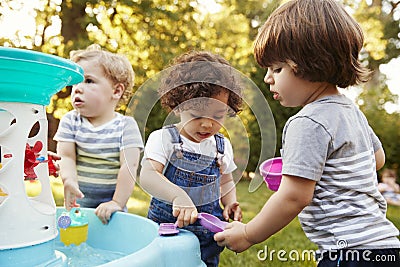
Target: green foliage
372,102
151,33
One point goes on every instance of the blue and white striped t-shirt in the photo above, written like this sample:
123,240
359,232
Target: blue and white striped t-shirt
330,141
98,152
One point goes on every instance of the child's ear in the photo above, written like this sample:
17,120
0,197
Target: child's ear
119,89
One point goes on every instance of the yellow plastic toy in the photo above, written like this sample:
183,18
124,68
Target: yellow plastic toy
2,193
73,227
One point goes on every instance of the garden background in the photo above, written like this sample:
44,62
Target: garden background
151,33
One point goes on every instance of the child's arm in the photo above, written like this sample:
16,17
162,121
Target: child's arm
66,150
228,198
294,194
380,158
129,160
156,184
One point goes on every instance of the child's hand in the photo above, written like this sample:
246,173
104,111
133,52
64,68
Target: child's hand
71,193
232,211
185,211
234,237
106,209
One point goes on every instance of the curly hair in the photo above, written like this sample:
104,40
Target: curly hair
199,74
116,67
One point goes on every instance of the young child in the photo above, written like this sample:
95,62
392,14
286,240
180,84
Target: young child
99,147
389,188
187,167
330,153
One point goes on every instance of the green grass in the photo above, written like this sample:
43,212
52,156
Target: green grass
289,239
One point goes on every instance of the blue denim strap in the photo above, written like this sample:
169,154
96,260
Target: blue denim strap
219,139
176,137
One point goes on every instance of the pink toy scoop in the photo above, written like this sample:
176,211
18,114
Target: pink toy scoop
211,222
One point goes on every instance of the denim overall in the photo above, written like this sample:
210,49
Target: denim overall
199,175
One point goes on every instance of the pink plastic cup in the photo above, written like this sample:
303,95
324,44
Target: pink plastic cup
271,170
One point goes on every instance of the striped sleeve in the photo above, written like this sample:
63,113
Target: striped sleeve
131,136
347,210
67,127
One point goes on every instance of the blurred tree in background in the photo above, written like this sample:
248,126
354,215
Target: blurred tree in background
151,33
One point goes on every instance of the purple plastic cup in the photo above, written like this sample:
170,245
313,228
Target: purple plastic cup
211,222
271,170
168,229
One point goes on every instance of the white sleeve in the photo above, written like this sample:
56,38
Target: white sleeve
228,164
158,146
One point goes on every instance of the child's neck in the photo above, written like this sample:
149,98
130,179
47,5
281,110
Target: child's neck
324,90
98,121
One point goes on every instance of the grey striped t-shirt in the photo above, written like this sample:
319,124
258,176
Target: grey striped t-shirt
330,141
98,152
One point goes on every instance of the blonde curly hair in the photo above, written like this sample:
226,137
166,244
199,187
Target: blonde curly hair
116,67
